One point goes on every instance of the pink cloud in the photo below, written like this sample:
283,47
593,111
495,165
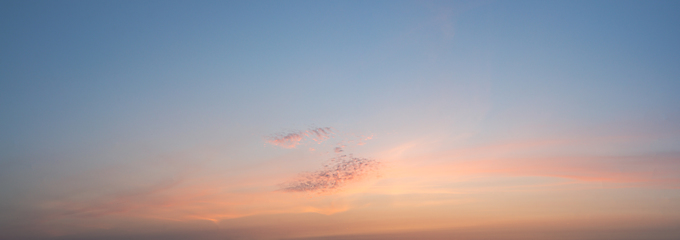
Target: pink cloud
334,175
319,134
636,170
552,158
292,139
580,159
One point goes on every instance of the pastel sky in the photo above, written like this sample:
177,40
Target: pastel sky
339,120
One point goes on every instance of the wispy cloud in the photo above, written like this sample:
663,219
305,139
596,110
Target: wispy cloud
319,134
546,158
292,139
335,174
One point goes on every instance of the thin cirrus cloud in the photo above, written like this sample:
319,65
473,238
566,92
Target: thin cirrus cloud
335,174
292,139
530,158
656,170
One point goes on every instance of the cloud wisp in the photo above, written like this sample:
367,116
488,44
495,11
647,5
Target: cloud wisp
292,139
334,175
336,172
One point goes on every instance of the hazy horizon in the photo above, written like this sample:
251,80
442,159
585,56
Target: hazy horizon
339,120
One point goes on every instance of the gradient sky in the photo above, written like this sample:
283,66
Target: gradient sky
339,120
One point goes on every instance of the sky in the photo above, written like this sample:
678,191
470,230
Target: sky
339,120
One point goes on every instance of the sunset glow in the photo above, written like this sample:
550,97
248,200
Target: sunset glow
340,120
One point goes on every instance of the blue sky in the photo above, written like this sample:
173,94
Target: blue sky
100,100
